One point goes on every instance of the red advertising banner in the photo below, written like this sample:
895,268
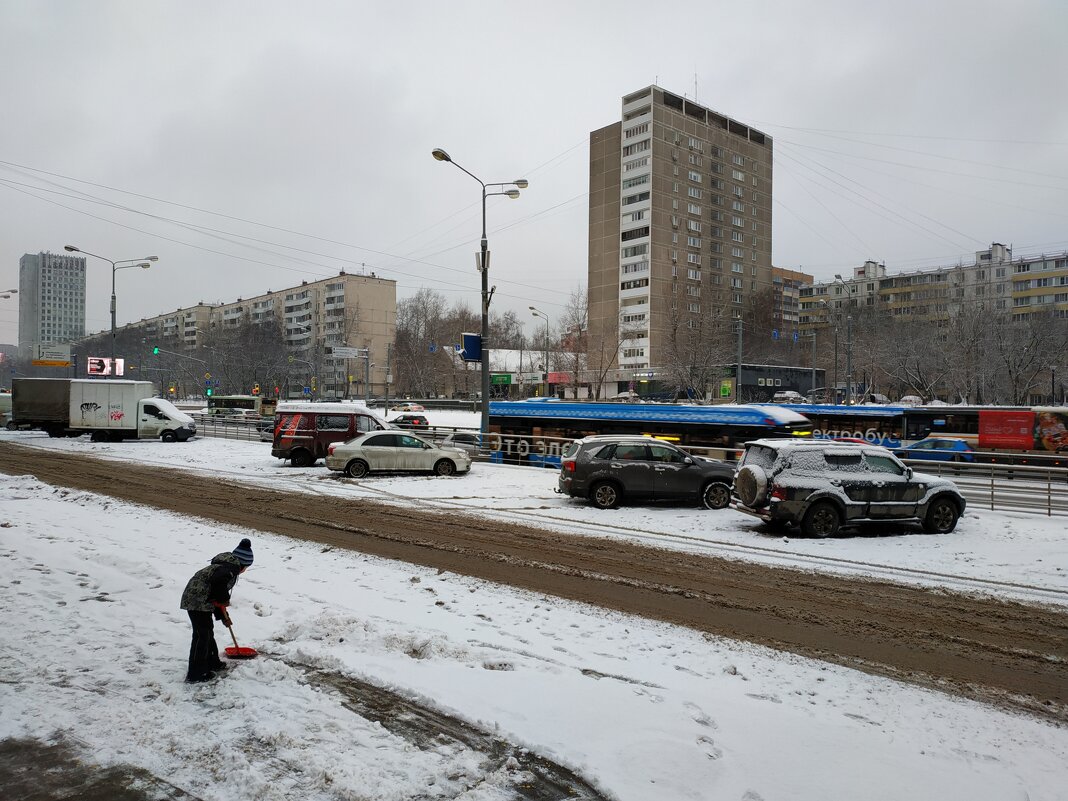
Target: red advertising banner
1007,428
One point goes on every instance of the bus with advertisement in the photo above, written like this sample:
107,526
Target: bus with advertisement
999,431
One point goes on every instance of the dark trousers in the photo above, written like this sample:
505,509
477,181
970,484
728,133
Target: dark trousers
203,652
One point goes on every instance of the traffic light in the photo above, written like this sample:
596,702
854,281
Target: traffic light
155,351
208,391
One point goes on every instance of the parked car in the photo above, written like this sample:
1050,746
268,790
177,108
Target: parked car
410,421
302,432
608,469
788,396
394,451
463,440
939,449
822,486
407,407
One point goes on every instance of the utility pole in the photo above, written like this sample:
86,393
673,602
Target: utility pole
849,359
738,380
813,382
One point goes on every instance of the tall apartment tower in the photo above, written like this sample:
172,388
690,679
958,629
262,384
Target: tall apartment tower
680,231
51,300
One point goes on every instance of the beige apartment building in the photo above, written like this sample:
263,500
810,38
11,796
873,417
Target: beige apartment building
347,310
1021,287
680,230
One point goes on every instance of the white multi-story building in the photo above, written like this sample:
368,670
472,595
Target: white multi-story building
51,300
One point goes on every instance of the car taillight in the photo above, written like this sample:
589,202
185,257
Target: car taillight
778,493
568,465
330,450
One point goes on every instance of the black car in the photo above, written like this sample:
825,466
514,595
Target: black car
410,421
609,469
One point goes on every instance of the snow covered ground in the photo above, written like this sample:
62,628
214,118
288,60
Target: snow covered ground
94,646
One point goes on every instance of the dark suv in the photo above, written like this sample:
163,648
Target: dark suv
821,486
609,469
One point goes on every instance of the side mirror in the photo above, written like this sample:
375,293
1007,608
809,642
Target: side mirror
688,460
908,473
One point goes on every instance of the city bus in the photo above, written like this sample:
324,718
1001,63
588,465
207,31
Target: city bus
536,430
241,404
1022,430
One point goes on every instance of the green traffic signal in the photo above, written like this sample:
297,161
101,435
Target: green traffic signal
155,351
208,391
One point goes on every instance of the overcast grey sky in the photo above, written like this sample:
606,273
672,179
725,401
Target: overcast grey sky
913,133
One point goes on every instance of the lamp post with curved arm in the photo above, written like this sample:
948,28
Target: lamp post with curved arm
849,342
535,313
483,267
120,264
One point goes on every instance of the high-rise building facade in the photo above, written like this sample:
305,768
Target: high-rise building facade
680,231
51,300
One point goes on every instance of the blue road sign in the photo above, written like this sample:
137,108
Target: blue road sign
775,333
306,390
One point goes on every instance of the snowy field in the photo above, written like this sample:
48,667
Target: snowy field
95,647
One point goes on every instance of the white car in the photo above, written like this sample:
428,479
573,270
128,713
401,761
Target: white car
407,407
395,452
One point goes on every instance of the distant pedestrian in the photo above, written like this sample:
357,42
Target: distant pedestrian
206,596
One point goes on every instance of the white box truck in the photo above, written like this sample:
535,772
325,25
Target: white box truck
106,410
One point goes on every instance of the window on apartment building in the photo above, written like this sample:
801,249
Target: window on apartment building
636,267
693,275
636,164
737,236
693,208
736,220
635,250
693,258
693,291
693,241
635,284
715,264
737,175
637,130
630,353
674,186
736,267
695,160
737,205
737,253
696,144
694,226
694,308
634,233
716,247
638,180
634,216
693,192
638,198
739,160
637,147
695,176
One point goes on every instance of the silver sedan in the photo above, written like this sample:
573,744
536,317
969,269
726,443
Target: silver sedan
395,452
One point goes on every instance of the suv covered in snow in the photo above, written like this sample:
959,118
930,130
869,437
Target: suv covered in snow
610,468
822,486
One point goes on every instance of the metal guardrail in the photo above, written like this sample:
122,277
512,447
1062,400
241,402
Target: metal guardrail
1043,490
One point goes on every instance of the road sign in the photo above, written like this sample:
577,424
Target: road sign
472,347
306,390
347,353
51,355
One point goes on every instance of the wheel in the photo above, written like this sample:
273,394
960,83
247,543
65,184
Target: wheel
98,436
302,458
605,495
444,468
55,432
821,520
716,495
751,484
942,516
357,468
11,425
168,436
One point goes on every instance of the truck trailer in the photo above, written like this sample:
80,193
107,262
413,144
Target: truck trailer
106,410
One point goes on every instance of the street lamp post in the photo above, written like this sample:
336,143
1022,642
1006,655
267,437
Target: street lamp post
849,342
535,313
115,265
483,267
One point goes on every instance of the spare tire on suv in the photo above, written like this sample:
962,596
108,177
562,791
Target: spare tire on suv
751,485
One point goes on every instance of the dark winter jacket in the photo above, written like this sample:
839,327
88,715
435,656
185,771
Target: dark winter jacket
211,584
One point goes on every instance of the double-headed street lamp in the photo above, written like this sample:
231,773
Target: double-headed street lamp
535,313
483,267
7,293
120,264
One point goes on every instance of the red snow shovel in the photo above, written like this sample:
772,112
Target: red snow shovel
236,651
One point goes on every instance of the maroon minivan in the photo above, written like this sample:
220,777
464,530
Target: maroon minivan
303,431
